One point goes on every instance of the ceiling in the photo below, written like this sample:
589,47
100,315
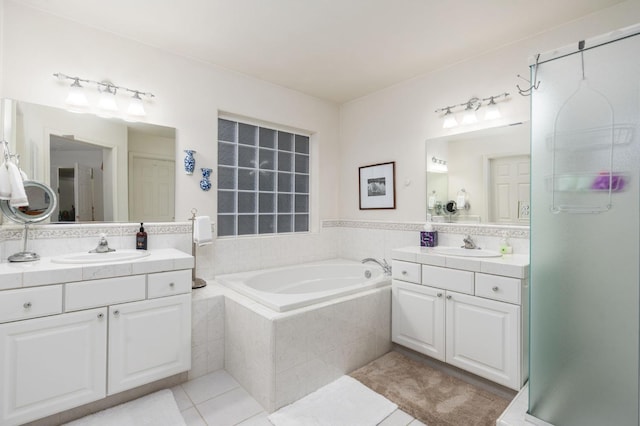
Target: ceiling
337,50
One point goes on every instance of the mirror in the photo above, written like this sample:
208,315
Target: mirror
42,203
103,169
480,176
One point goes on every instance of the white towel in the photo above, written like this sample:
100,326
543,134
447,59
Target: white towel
18,195
5,183
202,230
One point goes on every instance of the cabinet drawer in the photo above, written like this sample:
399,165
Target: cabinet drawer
91,294
448,279
26,303
169,283
406,271
495,287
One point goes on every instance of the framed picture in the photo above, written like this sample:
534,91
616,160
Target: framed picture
378,186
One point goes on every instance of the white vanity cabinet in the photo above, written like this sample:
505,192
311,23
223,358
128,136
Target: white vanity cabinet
470,319
72,343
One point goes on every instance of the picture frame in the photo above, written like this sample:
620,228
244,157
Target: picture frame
377,186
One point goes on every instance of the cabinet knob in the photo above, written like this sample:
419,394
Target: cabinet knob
449,297
495,288
116,313
27,305
439,295
172,285
404,272
100,315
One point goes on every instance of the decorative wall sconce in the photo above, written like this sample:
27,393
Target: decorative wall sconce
469,113
107,104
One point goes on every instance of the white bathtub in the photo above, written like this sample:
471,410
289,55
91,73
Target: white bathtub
293,287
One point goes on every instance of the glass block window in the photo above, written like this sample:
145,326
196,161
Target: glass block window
263,180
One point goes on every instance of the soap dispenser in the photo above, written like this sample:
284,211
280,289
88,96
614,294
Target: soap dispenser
141,238
505,248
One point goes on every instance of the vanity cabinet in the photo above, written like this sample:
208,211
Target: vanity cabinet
473,320
98,338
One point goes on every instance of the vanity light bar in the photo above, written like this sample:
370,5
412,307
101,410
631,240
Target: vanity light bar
108,90
470,107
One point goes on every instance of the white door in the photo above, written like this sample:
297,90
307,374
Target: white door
151,189
509,189
148,340
52,364
83,193
483,337
418,318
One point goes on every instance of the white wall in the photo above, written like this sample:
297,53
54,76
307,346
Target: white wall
189,95
393,124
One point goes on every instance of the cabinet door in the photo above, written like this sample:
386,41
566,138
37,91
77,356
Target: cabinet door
52,364
418,318
483,337
148,340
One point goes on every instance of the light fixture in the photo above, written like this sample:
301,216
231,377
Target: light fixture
492,112
449,119
136,108
107,104
470,108
76,97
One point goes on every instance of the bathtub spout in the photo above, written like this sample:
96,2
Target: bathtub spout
384,265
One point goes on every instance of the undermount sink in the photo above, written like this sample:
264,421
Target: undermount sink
112,256
461,251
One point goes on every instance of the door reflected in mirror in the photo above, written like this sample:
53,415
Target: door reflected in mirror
488,168
103,169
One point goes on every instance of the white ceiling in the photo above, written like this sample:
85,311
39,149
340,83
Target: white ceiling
333,49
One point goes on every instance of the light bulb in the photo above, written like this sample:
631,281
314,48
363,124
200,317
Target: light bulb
492,112
449,120
136,108
76,97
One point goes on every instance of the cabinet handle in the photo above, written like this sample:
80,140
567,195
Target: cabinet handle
116,313
449,297
100,315
27,305
439,295
172,285
495,288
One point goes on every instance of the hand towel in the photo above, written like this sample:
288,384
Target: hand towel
18,195
202,230
5,183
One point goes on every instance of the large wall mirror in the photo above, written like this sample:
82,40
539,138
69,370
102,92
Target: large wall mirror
103,169
480,176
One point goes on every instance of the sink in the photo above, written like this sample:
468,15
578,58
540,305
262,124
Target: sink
461,251
112,256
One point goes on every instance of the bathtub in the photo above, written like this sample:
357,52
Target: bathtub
293,287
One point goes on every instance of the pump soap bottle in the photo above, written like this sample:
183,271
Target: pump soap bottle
141,238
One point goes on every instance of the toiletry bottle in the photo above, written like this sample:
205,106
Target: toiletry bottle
141,238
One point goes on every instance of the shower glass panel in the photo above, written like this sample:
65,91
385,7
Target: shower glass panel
584,317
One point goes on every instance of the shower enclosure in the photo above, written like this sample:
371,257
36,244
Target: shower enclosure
585,249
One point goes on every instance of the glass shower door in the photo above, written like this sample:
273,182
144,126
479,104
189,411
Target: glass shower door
585,238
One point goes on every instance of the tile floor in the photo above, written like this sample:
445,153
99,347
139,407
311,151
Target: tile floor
217,399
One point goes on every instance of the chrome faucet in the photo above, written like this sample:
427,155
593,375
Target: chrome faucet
469,243
103,245
384,265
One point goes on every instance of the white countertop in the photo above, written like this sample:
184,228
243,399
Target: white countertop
509,265
46,272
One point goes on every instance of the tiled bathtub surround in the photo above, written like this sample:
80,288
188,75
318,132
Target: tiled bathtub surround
280,357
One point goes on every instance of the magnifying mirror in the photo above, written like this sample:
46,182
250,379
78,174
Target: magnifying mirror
42,202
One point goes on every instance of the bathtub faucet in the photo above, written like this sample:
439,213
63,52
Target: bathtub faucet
384,265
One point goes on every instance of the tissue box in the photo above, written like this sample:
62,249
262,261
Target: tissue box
428,238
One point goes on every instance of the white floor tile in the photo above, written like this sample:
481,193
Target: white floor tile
209,386
192,417
261,419
181,397
397,418
229,408
417,422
